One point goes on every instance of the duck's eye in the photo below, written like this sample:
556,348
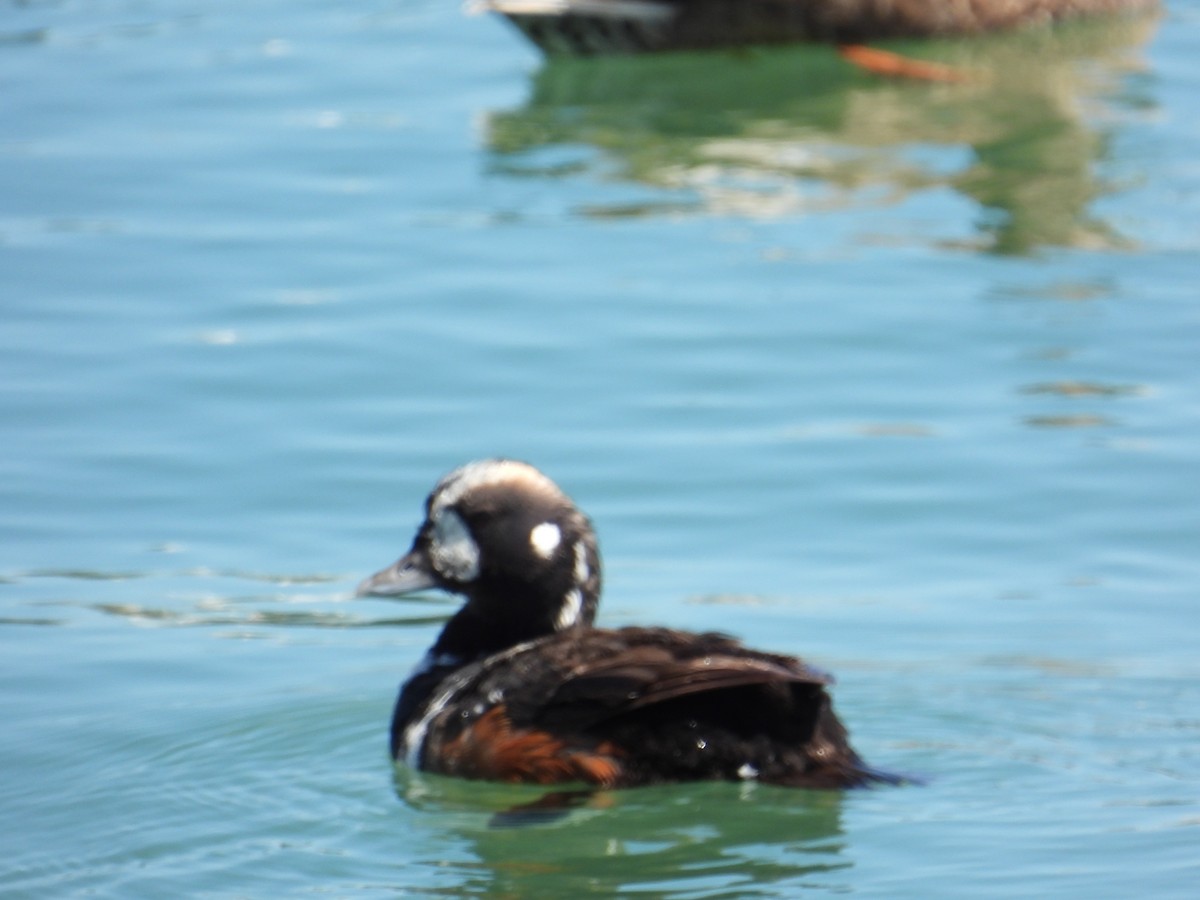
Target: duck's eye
545,539
453,550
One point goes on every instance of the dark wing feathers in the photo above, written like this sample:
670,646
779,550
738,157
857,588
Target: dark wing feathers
639,706
639,675
632,683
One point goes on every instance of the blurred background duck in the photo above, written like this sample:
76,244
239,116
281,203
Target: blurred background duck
594,27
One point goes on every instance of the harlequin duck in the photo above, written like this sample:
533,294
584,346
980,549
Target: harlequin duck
520,687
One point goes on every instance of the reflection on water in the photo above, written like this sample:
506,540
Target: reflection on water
1069,394
1084,389
668,841
202,597
108,575
779,132
1069,420
207,615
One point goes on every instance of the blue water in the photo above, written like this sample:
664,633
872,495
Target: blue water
895,376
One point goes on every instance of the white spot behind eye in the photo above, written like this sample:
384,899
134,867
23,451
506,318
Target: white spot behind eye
545,539
453,551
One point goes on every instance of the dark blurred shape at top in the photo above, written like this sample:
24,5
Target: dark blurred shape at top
594,27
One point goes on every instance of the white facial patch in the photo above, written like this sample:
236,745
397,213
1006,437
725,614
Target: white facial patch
569,614
453,551
545,539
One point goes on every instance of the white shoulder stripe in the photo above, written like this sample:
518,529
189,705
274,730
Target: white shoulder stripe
412,746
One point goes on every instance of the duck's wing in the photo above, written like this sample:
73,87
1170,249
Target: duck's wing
638,706
640,668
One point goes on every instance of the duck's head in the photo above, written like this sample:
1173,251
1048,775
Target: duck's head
506,537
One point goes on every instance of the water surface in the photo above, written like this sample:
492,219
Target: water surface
898,377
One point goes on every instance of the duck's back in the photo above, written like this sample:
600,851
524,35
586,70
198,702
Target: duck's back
629,707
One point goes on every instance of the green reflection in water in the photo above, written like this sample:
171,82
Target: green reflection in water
716,838
787,131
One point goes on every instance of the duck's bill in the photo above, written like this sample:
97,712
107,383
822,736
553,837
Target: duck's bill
408,574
